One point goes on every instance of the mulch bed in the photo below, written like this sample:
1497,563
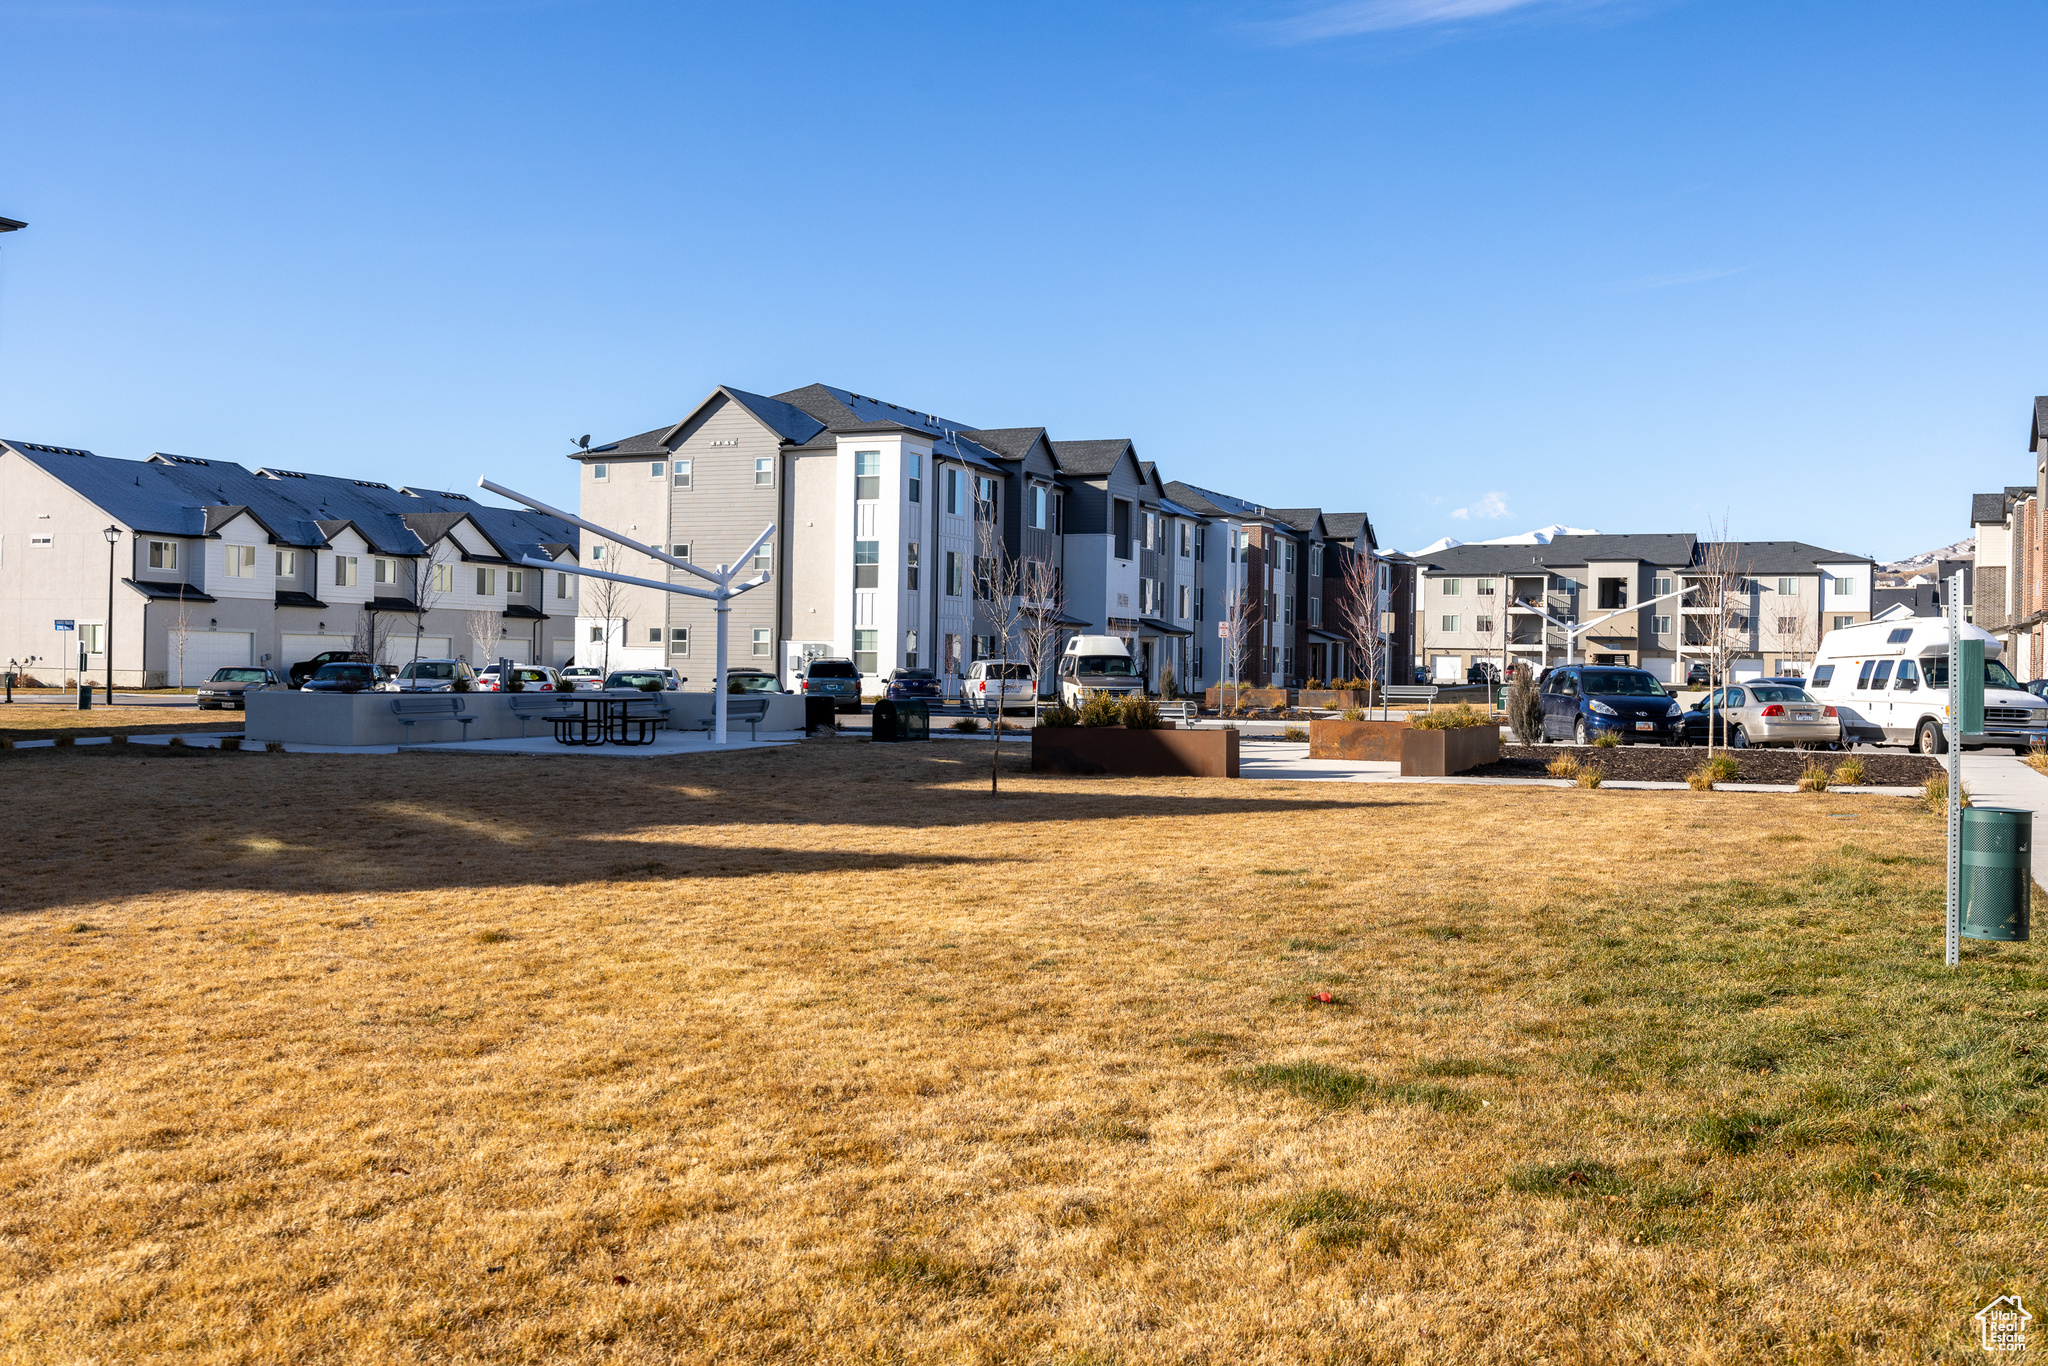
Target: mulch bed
1653,763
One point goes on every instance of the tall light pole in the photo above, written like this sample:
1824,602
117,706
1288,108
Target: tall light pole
113,535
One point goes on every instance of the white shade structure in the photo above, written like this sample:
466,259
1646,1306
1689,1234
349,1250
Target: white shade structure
721,593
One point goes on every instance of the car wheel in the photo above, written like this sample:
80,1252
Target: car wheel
1929,739
1738,739
1579,731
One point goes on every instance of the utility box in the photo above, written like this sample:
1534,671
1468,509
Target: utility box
899,721
1997,872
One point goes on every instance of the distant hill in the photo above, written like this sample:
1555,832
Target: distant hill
1961,550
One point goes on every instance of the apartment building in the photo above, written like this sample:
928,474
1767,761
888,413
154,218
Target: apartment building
898,530
1637,600
2009,583
207,564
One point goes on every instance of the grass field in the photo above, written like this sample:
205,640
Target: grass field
44,721
819,1054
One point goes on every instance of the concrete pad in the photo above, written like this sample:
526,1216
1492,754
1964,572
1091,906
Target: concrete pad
666,743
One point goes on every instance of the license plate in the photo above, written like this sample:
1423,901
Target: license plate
1646,725
1802,716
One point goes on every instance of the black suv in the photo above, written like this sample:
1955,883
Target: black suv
306,668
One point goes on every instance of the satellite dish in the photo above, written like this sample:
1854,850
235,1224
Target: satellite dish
583,442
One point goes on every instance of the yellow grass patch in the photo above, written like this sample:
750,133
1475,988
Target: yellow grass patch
819,1054
42,721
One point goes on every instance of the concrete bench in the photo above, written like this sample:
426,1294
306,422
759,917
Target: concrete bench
1417,693
747,711
410,711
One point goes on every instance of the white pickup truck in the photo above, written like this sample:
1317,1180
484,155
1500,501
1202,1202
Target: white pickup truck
1093,664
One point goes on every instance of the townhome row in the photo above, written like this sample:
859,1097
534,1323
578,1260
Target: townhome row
1636,600
184,565
899,532
2009,586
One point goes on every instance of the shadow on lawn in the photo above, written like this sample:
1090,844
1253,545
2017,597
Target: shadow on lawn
95,823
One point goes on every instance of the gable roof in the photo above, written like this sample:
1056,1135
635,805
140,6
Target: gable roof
1986,508
1301,519
1091,459
2040,427
1347,526
1008,443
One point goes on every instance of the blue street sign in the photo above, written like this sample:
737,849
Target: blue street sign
67,626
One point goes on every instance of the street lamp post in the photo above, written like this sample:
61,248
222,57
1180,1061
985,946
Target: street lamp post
113,535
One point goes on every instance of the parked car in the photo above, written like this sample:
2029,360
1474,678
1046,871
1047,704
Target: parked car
532,678
1888,681
752,681
1698,676
2038,687
226,687
1485,674
833,678
579,676
429,675
1760,712
351,676
1581,702
645,680
999,683
1093,664
912,685
306,668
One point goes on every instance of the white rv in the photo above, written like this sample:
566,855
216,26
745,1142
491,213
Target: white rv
1093,664
1888,680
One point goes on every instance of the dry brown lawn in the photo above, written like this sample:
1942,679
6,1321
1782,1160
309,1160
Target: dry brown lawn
819,1054
43,721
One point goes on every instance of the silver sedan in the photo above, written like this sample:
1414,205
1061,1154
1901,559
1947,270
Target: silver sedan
1763,714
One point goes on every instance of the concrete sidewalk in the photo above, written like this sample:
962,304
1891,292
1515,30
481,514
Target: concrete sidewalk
1999,780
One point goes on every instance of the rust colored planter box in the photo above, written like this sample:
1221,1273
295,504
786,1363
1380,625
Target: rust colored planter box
1359,741
1123,753
1335,699
1439,753
1271,699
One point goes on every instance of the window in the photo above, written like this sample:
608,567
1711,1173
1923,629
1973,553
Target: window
1845,587
1822,676
1121,525
1038,507
679,473
910,571
287,564
91,636
344,571
913,470
1863,678
384,571
681,550
953,491
164,554
678,640
1787,625
654,635
1287,554
600,472
1201,543
1182,615
1315,611
1451,587
1788,586
596,634
867,475
1199,610
985,498
764,471
1483,625
444,578
44,542
1450,623
1186,540
1842,623
1560,584
952,572
657,469
761,642
561,585
867,564
1151,533
596,554
984,647
1059,514
486,582
764,555
515,582
1483,587
1198,661
1613,594
1660,626
984,578
1287,611
864,645
1660,587
239,561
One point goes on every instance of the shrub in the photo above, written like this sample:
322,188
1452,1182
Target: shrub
1141,713
1718,769
64,741
1354,713
1563,766
1314,685
1298,734
1525,705
1849,773
1059,714
1934,796
1812,778
967,725
1606,739
1452,718
459,685
274,747
1102,709
1590,777
2037,759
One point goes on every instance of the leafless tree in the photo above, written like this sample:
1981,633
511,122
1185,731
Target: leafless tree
483,635
1792,620
1042,604
366,637
432,581
998,603
1244,616
1361,617
1723,591
181,630
604,597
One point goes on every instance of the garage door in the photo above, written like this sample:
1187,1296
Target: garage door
562,652
298,647
399,649
206,651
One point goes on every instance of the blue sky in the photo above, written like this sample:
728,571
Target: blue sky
1471,265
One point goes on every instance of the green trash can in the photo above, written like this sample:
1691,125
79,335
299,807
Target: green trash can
900,721
1997,872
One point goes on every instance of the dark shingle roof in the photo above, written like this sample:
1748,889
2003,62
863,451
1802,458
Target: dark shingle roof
1346,526
1301,519
2040,427
1214,503
1786,557
1089,459
1986,508
1010,443
1562,552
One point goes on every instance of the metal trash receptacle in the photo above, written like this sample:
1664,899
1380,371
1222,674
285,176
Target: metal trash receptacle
1997,877
820,711
901,721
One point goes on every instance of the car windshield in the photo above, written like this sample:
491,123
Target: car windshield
1779,694
1619,683
643,681
362,671
1996,675
239,676
833,668
1112,666
429,669
1013,672
750,683
913,675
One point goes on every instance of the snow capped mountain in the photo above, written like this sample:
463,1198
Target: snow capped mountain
1961,550
1540,536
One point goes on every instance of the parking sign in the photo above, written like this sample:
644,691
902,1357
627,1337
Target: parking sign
67,625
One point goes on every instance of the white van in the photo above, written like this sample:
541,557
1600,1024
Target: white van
1093,664
1888,681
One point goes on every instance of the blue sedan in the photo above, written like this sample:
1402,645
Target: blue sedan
907,685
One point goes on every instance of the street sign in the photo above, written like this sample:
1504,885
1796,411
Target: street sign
67,625
1223,630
